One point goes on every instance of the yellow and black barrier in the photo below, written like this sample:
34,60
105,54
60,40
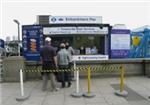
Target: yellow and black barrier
89,69
93,68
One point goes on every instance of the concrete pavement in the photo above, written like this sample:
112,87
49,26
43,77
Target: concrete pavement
102,87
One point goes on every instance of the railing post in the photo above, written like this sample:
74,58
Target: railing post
74,72
121,92
89,94
23,96
122,79
77,93
21,83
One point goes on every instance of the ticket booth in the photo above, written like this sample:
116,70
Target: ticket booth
84,38
86,34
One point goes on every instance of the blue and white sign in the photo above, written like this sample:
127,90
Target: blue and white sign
74,19
89,57
120,43
32,41
1,43
74,30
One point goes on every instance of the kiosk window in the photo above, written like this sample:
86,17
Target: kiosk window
88,44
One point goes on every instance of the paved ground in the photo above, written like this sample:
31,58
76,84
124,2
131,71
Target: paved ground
102,87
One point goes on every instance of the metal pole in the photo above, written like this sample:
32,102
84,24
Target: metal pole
89,94
77,92
77,82
121,92
17,22
77,78
21,83
122,79
1,69
74,72
23,96
18,39
18,32
89,79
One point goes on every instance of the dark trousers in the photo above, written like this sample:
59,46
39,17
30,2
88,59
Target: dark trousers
70,72
48,65
65,76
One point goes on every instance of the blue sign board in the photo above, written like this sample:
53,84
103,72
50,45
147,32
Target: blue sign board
32,41
120,43
1,43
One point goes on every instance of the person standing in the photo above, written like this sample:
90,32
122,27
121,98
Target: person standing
94,50
71,53
63,62
49,62
70,49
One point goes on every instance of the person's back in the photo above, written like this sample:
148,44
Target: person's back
63,62
47,53
63,57
70,51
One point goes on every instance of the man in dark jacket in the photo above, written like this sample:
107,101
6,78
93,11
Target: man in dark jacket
49,62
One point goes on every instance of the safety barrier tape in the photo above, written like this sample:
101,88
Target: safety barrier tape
102,68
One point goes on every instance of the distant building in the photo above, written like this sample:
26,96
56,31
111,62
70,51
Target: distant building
8,39
14,38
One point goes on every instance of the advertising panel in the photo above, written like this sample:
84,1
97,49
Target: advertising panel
32,41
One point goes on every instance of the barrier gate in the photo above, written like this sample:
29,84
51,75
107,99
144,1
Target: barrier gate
76,69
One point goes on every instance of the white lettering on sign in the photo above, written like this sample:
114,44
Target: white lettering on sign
74,19
74,30
89,57
59,30
92,30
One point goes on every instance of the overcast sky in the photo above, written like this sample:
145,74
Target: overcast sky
133,14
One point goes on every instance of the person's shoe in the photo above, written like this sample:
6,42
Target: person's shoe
69,84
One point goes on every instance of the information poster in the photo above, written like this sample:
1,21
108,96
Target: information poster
32,41
120,43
